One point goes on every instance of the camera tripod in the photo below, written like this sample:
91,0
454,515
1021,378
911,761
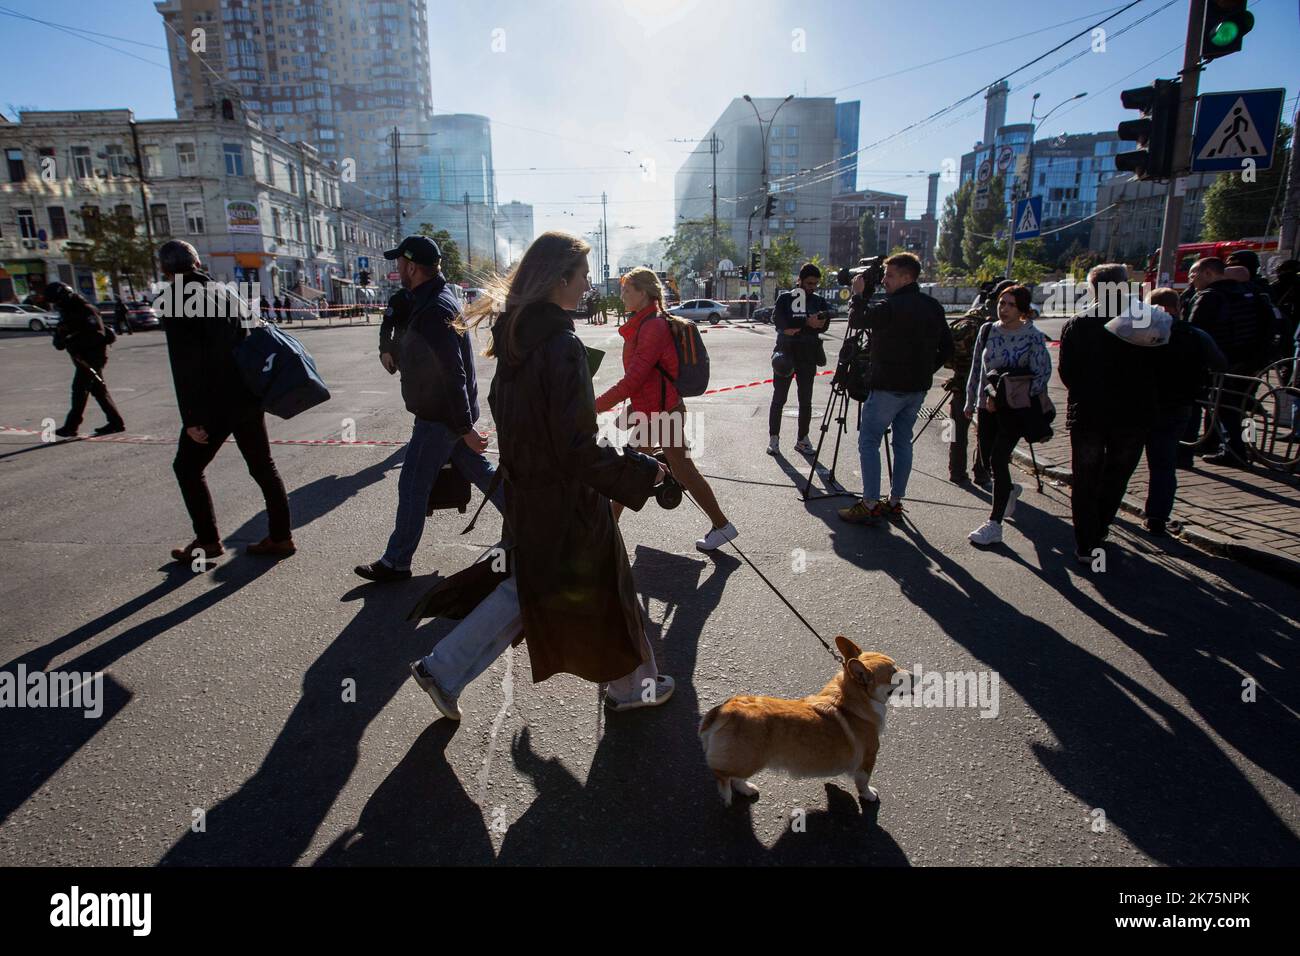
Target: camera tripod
837,408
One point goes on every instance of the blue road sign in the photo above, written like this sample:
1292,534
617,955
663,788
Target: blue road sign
755,278
1029,217
1232,127
363,262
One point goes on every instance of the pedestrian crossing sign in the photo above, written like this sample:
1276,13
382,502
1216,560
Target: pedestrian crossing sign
1234,127
1029,217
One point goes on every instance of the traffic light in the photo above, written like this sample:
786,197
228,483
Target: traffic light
770,211
753,261
1154,133
1226,22
363,278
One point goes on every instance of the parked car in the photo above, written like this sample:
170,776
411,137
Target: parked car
699,309
140,314
31,317
763,315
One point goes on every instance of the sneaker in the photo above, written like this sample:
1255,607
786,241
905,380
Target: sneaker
447,705
804,447
861,513
211,550
774,445
990,532
1157,528
1011,501
381,573
272,549
717,537
110,429
959,479
66,432
664,687
892,509
983,480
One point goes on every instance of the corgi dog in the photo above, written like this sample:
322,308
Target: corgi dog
835,731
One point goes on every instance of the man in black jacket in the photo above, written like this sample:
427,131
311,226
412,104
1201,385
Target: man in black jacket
909,341
81,333
440,389
799,315
214,402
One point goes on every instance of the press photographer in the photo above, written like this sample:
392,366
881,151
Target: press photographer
910,341
799,315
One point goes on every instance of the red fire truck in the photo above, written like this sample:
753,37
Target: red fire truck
1191,251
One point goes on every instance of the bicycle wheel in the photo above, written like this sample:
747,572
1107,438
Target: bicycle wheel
1274,439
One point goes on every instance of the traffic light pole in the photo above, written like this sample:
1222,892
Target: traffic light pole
1191,75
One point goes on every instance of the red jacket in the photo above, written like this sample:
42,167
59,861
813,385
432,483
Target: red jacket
647,342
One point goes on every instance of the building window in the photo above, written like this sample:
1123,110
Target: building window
58,222
17,172
297,227
26,224
162,224
792,149
276,225
234,159
81,167
774,150
90,221
792,132
194,218
293,181
124,212
116,160
269,162
151,156
789,207
776,132
186,159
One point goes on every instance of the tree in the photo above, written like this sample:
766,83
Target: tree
952,226
1235,208
116,247
784,259
980,226
690,247
452,267
868,236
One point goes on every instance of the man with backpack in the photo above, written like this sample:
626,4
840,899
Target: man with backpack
663,359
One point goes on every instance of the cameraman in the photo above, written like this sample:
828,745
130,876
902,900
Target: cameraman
909,342
798,316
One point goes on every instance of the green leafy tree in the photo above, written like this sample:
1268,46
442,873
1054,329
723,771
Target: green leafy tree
868,236
690,248
980,225
1235,208
784,258
952,229
118,248
452,266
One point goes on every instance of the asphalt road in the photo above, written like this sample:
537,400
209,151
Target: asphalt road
1121,735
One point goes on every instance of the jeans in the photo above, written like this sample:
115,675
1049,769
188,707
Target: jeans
1162,461
806,373
84,384
998,436
881,411
1102,461
488,631
432,445
192,458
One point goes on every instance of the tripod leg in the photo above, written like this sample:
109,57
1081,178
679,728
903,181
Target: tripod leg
826,418
1038,475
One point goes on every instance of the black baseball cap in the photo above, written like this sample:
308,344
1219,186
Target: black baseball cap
421,250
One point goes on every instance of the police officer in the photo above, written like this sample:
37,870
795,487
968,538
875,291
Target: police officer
396,315
82,334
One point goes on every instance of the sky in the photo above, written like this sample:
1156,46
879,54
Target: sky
585,95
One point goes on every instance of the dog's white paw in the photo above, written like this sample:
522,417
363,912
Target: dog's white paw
870,794
724,790
744,788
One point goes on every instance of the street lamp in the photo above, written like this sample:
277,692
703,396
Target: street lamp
1029,170
762,226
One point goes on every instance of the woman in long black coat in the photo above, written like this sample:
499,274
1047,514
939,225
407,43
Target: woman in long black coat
576,601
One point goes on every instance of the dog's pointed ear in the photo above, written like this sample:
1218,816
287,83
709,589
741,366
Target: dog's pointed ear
847,648
858,671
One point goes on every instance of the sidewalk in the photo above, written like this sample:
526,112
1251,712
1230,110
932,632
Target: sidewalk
1251,515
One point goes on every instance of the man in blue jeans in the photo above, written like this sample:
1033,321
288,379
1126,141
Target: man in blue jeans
909,341
439,388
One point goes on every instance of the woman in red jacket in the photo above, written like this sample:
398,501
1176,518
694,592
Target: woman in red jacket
658,413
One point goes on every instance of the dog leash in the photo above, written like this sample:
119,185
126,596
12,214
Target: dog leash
775,590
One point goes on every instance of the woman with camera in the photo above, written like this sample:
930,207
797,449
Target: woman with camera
570,590
1010,343
658,414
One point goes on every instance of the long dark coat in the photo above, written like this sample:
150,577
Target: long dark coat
580,610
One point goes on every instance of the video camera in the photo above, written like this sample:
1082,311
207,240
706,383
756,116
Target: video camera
872,271
668,493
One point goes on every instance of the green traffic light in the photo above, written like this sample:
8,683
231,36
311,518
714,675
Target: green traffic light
1226,33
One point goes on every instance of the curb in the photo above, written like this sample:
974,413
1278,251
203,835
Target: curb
1258,556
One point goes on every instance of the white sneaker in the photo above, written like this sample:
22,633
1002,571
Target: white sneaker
717,537
774,445
990,532
1011,501
804,447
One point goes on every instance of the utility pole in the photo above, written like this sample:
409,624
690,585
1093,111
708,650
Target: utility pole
397,184
604,244
144,201
713,148
1191,78
496,267
1289,242
468,266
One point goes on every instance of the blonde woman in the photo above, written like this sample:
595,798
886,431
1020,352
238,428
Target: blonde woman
571,591
658,412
